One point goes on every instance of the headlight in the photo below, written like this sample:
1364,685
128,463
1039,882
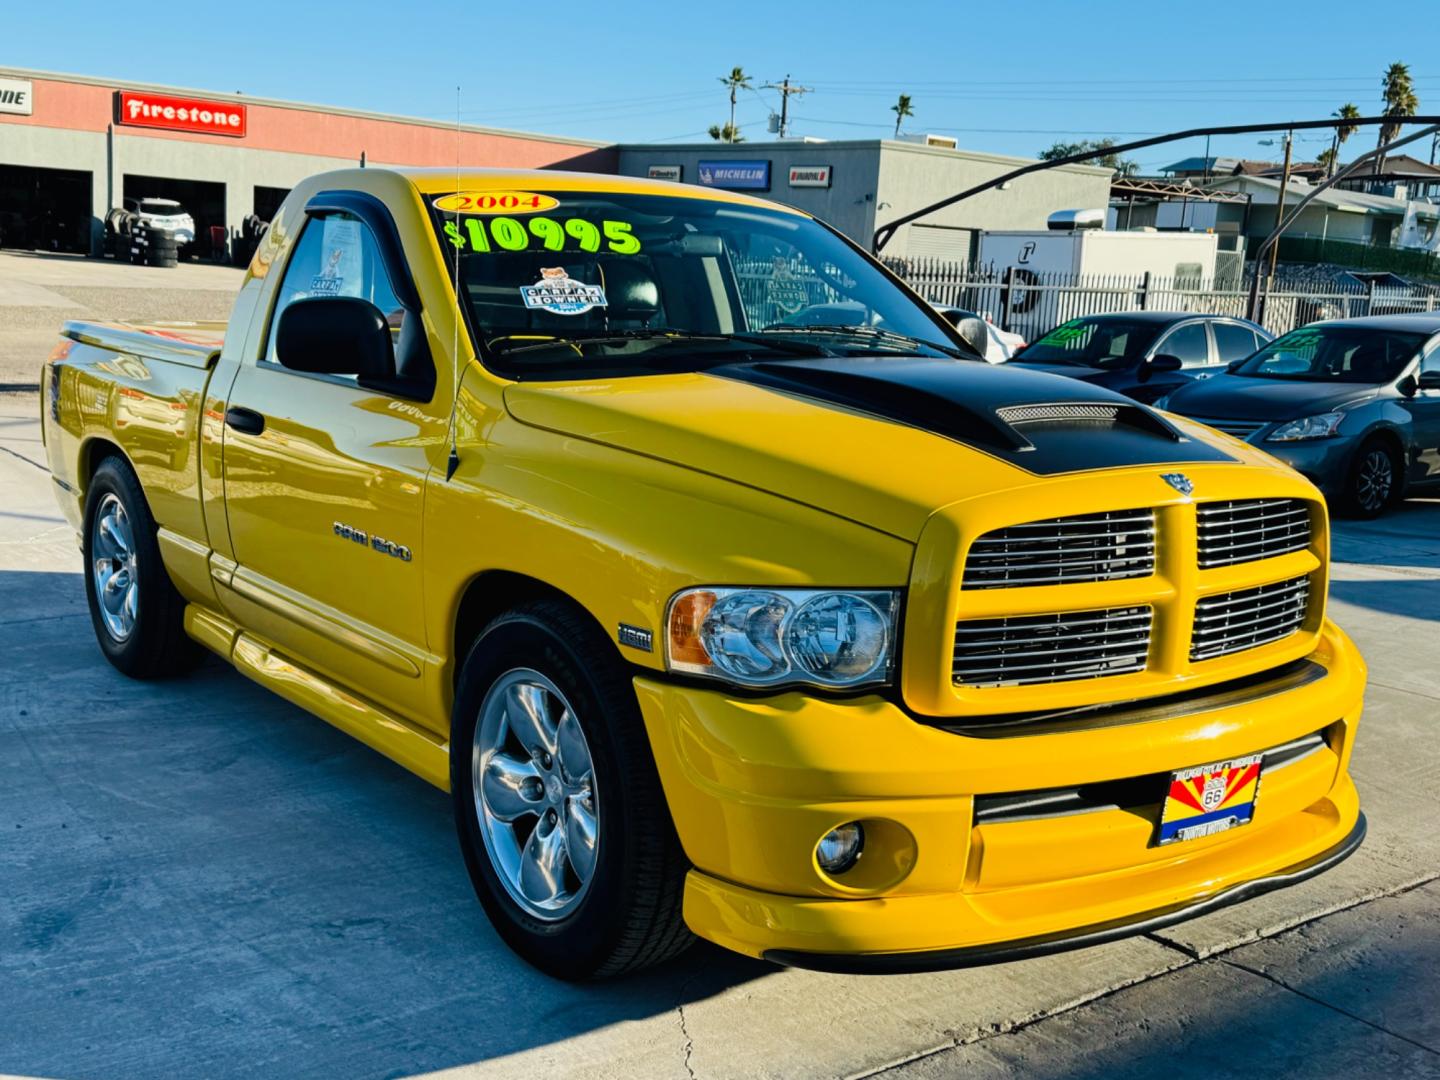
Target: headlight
1307,427
832,638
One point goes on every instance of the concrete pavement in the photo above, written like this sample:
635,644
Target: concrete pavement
200,879
39,290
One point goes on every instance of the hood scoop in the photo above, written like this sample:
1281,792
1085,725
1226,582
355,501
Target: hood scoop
1045,424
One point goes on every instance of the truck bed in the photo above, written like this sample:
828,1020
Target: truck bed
193,344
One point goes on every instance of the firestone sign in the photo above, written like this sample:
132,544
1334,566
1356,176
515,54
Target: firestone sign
139,109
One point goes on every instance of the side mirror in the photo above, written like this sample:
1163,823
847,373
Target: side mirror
950,315
1234,365
1429,380
336,335
1157,364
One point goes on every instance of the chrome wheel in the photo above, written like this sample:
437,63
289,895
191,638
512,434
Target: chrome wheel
534,788
112,565
1375,480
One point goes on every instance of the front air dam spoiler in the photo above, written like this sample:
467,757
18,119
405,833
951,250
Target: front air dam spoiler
899,963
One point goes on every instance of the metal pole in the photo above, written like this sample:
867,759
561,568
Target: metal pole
1280,211
886,232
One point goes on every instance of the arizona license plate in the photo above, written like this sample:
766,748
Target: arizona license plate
1209,799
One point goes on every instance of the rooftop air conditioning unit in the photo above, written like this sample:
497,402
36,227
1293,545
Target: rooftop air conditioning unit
1071,220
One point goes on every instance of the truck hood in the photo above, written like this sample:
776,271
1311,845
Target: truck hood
884,442
1238,397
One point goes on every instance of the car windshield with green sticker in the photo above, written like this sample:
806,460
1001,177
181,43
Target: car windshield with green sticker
1336,353
1103,342
572,284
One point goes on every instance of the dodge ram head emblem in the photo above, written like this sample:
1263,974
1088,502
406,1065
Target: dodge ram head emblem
1179,481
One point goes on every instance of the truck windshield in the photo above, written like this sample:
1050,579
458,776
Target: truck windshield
1319,353
1102,343
572,284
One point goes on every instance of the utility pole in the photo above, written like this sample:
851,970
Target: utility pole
1279,212
785,91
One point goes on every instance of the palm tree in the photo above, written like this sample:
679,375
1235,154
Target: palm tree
736,80
901,109
1400,100
729,133
1348,111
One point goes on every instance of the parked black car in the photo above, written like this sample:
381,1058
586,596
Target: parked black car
1144,354
1354,404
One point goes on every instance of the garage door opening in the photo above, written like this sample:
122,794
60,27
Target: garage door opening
45,209
268,200
203,200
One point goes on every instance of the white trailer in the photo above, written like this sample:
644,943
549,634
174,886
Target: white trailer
1060,273
1098,251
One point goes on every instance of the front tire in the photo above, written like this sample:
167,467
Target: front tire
138,615
561,818
1373,482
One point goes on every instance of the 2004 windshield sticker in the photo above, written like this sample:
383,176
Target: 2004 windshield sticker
514,221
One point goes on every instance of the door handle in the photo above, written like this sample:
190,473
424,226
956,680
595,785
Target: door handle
245,421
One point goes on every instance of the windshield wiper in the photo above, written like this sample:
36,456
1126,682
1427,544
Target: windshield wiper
518,343
869,333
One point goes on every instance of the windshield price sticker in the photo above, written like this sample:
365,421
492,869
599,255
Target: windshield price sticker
551,234
1062,334
496,202
560,294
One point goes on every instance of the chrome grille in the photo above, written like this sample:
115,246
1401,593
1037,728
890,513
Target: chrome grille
1089,547
1234,621
1241,429
1023,649
1250,529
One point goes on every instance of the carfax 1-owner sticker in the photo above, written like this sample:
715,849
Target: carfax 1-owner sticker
560,294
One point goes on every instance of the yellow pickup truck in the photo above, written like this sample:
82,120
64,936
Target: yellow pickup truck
723,587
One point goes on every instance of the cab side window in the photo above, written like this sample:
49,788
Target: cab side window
336,255
1189,343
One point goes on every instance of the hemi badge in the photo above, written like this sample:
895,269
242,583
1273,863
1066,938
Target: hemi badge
636,637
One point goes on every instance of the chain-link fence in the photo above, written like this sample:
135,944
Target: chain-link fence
1030,303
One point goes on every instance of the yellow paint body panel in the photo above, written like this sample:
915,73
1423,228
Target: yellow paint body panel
620,492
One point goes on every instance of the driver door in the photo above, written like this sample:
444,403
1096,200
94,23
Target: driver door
1424,408
324,484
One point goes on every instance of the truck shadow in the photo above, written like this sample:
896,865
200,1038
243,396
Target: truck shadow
201,879
1405,540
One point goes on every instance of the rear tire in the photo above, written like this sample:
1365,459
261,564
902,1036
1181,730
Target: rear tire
569,842
1373,483
138,615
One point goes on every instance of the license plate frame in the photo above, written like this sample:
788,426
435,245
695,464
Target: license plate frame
1205,800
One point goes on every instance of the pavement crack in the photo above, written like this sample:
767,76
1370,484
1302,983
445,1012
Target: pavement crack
22,457
1261,973
1011,1027
688,1041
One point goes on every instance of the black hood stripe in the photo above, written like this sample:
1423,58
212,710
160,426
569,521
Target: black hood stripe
1044,424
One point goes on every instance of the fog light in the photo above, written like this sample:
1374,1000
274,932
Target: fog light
839,849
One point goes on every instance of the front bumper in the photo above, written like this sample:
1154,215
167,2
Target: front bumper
1324,462
754,783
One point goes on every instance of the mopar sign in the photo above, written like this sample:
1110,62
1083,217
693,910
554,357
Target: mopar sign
749,175
810,175
665,172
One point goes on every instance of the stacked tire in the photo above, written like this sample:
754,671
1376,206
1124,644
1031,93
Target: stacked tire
153,247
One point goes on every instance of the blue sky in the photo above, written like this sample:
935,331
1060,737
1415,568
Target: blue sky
1007,77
